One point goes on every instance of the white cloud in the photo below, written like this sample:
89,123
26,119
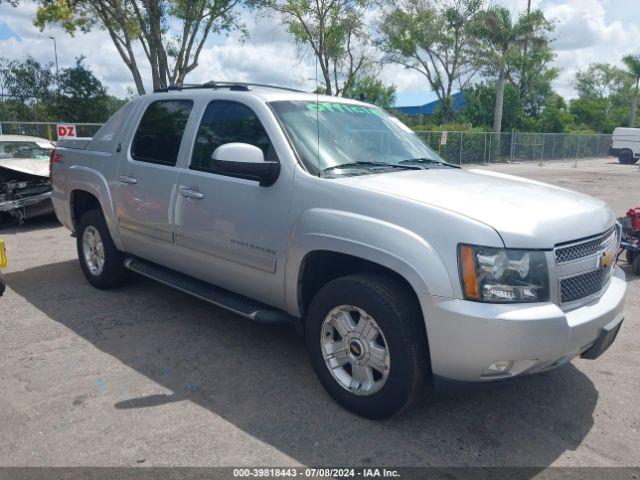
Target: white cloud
583,36
587,31
101,55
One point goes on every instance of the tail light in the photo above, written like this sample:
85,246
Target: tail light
53,158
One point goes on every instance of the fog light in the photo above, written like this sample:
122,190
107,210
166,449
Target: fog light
497,368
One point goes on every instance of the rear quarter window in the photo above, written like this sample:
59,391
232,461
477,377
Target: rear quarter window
159,134
104,140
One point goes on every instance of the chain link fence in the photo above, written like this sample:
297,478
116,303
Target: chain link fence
459,147
486,147
46,129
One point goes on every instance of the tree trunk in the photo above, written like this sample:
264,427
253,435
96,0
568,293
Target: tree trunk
634,106
137,78
497,113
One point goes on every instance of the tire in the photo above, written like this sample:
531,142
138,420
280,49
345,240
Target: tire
629,255
626,158
3,284
635,266
109,273
386,305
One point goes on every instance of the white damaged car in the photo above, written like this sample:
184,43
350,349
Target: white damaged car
25,188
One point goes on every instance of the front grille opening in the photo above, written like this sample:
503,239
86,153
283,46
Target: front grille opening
584,249
581,286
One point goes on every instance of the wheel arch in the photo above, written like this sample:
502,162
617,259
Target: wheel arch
83,197
319,267
349,243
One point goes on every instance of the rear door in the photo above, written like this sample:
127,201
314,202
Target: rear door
146,181
233,230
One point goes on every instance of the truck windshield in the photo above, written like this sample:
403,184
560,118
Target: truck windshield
334,138
21,149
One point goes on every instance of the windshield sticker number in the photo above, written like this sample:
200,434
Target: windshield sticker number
342,108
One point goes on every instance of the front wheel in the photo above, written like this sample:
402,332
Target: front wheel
367,342
635,266
100,260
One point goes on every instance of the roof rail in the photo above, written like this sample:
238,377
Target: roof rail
241,86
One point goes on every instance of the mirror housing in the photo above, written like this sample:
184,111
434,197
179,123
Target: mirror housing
242,160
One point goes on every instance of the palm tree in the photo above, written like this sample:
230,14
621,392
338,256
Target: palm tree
498,37
633,66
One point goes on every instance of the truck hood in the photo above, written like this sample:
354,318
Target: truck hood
30,166
525,213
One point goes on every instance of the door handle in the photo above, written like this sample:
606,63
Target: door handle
189,193
128,179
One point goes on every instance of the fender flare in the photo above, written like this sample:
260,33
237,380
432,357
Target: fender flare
89,180
377,241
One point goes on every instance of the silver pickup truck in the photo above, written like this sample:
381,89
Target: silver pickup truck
400,269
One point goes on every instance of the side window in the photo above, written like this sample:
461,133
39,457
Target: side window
159,134
228,122
104,140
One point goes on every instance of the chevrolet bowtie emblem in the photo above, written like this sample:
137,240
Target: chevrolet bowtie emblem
607,259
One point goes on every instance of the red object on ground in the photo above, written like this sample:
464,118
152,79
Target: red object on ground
634,215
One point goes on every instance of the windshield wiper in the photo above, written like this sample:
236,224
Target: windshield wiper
370,165
430,161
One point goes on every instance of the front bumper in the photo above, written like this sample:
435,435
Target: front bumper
467,338
26,201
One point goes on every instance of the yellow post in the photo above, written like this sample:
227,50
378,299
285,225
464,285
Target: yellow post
49,132
3,255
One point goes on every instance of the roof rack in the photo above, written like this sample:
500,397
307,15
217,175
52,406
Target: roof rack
238,86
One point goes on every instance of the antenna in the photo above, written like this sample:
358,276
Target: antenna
317,118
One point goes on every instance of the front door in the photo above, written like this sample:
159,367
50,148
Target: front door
147,178
233,229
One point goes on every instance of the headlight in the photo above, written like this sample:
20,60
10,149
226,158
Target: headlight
498,275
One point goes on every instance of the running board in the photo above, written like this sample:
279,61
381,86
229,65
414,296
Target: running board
219,297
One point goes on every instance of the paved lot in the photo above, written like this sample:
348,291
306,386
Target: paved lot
148,375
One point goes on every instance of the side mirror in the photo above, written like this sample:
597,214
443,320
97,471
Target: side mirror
242,160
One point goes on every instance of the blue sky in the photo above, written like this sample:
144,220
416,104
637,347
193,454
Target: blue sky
6,32
586,31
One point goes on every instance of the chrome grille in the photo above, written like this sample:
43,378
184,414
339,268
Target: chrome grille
581,286
584,249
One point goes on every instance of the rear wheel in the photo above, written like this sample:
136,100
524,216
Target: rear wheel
3,284
626,158
366,339
100,260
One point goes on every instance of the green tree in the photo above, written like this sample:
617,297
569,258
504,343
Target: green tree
600,81
556,117
149,23
82,97
369,89
334,31
603,98
29,80
27,89
500,39
479,109
632,63
431,38
33,94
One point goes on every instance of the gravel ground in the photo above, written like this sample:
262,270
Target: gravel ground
145,375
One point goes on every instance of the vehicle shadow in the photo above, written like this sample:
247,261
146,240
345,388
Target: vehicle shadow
8,226
258,378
